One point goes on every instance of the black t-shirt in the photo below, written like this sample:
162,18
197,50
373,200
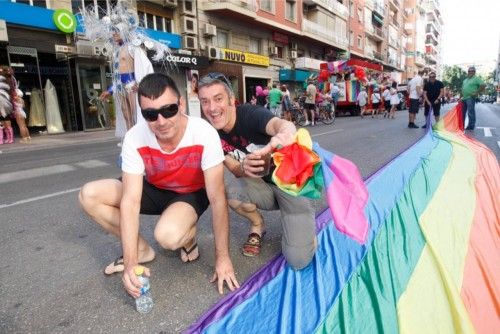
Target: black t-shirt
433,89
250,127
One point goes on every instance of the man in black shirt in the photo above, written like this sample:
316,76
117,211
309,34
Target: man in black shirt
433,92
239,127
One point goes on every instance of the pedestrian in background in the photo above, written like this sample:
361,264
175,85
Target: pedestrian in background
286,104
362,100
375,102
433,92
386,95
415,86
394,100
275,99
472,86
310,103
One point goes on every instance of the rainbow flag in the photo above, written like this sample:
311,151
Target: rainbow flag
431,263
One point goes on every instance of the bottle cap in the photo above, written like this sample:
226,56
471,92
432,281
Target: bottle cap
139,270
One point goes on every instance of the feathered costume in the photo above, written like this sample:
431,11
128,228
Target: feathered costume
124,22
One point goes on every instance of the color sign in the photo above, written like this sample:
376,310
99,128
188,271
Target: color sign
244,57
64,20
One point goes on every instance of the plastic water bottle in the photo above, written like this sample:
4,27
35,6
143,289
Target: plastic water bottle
143,303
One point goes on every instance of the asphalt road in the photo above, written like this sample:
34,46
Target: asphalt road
51,278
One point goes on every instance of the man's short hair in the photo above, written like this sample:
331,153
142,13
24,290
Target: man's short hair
216,78
154,85
471,68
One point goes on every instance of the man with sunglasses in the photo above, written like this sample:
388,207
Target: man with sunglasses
239,127
433,92
172,167
472,86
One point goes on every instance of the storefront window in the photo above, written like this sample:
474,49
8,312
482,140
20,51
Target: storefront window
95,113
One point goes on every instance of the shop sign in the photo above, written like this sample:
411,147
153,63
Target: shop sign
65,49
244,57
3,32
189,61
280,38
64,20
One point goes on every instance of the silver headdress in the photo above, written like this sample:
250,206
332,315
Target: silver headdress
123,21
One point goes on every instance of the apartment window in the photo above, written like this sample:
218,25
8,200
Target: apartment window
154,22
267,5
253,45
360,14
360,42
222,38
351,9
290,9
280,52
103,6
188,6
37,3
351,38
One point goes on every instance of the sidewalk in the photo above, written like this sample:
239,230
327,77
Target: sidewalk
44,141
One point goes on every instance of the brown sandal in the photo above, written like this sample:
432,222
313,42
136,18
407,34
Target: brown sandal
253,244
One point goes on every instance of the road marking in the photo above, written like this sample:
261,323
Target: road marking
487,130
33,199
326,133
35,172
92,164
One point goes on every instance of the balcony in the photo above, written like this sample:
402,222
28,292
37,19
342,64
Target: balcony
431,59
419,59
231,7
408,27
394,42
332,5
395,4
318,32
378,8
378,55
370,4
374,32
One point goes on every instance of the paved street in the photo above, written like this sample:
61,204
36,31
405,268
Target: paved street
52,255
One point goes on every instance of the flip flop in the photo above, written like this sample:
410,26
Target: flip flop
117,266
253,244
189,251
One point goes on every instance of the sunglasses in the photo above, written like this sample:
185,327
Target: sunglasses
167,111
220,77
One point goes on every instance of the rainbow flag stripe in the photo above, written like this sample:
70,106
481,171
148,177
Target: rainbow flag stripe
431,262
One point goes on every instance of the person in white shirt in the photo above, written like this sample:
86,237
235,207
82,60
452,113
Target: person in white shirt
172,166
375,102
386,95
415,86
362,99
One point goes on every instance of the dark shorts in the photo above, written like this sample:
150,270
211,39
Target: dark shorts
155,200
375,105
436,108
414,106
309,106
387,105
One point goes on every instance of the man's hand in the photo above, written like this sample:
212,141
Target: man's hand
224,272
130,282
436,102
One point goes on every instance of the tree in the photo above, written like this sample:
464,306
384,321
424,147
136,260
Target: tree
453,76
489,81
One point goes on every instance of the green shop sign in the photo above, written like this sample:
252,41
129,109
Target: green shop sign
64,20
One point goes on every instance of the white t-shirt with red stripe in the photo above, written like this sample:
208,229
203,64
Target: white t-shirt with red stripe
180,170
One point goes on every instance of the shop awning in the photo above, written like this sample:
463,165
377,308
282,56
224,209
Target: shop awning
378,18
294,75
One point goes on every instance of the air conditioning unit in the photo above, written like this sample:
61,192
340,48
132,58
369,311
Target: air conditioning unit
188,7
293,54
170,3
210,30
212,52
293,46
273,50
84,48
189,42
189,25
101,50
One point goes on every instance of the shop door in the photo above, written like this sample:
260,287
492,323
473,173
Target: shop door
251,84
91,83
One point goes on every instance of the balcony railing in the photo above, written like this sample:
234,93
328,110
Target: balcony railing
378,55
240,6
335,7
379,8
316,29
394,42
378,32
